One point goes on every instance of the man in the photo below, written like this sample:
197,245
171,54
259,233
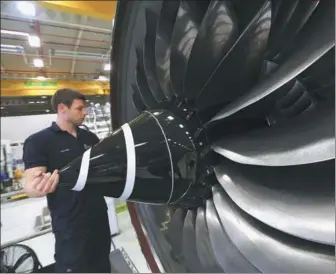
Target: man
79,219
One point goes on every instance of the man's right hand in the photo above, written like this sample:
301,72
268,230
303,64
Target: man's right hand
39,183
46,182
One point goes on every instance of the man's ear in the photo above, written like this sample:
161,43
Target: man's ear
61,107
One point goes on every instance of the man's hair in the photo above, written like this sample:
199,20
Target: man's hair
65,96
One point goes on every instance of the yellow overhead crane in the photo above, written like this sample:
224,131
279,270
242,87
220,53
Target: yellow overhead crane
104,10
48,87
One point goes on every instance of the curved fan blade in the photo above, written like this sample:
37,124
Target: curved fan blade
188,20
137,100
291,17
266,248
175,232
292,96
226,253
189,243
295,102
309,138
203,245
280,196
216,36
145,92
301,104
162,44
149,56
241,66
322,39
321,73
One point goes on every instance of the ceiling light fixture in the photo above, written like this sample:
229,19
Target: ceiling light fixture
26,8
38,63
34,41
12,32
107,67
40,78
9,46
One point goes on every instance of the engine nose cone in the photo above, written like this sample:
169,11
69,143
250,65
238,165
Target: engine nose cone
152,159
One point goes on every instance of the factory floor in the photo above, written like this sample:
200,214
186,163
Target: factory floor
126,239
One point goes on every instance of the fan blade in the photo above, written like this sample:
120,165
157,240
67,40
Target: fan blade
321,72
226,253
189,18
292,96
162,44
298,196
216,36
240,68
308,138
322,39
189,243
137,102
149,56
203,245
175,232
268,249
141,79
291,17
303,103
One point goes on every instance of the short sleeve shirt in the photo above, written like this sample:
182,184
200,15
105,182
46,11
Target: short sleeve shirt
54,148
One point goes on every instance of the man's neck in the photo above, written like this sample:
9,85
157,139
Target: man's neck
66,126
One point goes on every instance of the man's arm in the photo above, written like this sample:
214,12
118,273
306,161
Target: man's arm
38,183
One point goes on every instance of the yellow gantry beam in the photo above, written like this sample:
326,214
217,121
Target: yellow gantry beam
97,9
48,87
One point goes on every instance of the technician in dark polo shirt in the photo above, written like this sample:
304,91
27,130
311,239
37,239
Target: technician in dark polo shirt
79,219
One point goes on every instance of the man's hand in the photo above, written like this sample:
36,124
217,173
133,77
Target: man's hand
39,183
46,182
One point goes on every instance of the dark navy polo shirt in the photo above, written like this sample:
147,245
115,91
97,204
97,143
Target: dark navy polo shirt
54,148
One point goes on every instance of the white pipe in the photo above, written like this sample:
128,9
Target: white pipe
57,54
50,58
75,52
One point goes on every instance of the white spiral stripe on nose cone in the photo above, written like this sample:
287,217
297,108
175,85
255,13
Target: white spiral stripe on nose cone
83,172
131,162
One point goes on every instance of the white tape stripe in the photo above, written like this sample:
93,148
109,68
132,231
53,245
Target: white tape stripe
83,172
131,162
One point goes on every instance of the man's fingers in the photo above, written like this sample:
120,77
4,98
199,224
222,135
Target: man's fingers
50,186
43,183
55,183
37,181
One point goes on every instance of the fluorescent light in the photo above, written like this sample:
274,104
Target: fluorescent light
19,33
102,78
38,63
34,41
107,67
26,8
9,50
9,46
41,78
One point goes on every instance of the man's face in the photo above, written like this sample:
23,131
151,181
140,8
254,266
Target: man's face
76,112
